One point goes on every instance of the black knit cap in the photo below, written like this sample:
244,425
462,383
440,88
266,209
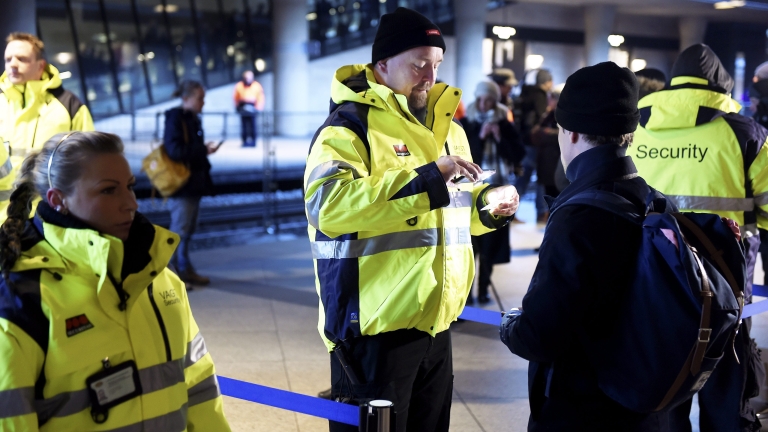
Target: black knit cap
402,30
599,100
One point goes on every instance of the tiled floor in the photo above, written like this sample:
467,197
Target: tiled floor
259,318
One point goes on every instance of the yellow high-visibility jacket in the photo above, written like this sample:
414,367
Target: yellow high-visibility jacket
692,146
63,318
29,116
391,242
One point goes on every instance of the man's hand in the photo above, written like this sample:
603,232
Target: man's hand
504,200
454,166
212,147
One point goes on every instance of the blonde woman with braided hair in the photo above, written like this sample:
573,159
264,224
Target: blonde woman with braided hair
95,332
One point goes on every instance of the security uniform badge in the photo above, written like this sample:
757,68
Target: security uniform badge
401,150
112,386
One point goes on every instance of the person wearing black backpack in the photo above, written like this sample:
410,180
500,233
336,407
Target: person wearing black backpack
586,265
694,146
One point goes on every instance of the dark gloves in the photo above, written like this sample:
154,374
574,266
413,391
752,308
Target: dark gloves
507,322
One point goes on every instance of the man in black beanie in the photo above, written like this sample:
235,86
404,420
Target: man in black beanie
585,264
390,223
694,146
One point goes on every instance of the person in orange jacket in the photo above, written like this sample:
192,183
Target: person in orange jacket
249,100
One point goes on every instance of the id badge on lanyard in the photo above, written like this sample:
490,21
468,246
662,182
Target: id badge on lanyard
112,386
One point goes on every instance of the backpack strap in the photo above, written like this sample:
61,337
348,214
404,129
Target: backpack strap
608,201
693,363
717,258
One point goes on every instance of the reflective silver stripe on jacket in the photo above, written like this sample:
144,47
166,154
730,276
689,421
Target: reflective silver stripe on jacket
204,391
315,203
761,199
374,245
196,350
457,236
685,202
5,195
17,402
153,378
460,199
329,169
175,421
6,168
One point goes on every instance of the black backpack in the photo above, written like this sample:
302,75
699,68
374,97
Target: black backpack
683,308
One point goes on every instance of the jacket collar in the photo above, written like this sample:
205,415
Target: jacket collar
32,90
357,83
682,106
62,243
603,163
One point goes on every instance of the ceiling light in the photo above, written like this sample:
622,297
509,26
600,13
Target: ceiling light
534,61
615,40
638,64
504,32
64,57
260,65
730,4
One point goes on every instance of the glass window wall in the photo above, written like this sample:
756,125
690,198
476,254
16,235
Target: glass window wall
121,55
60,47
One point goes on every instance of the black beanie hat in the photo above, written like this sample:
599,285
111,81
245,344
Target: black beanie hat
402,30
599,100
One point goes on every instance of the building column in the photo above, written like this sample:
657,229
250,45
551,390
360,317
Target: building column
692,30
17,16
291,67
470,32
598,25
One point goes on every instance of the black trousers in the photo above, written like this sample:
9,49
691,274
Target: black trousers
248,129
407,367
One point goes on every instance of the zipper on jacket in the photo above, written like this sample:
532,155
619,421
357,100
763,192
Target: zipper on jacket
160,321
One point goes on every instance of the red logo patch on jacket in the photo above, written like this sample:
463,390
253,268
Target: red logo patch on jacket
433,32
401,150
77,325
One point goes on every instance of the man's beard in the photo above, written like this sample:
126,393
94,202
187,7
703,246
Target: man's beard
417,103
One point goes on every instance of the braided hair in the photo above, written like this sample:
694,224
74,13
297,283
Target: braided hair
70,154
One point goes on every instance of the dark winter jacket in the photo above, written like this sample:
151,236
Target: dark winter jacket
759,90
495,244
533,106
544,138
584,270
190,150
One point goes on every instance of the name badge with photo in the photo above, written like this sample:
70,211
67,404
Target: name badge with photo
111,387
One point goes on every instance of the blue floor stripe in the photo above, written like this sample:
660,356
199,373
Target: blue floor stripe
300,403
760,290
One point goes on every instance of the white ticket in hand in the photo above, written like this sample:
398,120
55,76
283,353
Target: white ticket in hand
480,178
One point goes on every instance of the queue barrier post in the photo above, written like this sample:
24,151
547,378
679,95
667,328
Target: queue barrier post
378,416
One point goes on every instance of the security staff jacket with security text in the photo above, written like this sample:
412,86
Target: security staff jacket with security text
693,146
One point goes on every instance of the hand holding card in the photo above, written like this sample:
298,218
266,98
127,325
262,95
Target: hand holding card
502,201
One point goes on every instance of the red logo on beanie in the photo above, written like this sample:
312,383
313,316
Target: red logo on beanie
433,32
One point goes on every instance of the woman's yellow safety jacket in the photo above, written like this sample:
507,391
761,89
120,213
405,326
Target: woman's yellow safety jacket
79,298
